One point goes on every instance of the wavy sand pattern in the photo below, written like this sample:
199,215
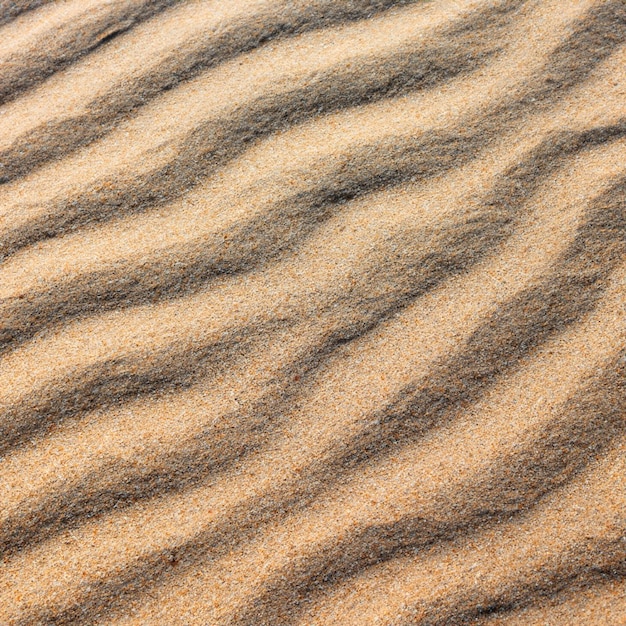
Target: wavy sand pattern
313,312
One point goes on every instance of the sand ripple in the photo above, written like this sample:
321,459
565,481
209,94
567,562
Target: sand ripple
313,312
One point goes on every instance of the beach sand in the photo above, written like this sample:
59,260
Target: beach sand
313,312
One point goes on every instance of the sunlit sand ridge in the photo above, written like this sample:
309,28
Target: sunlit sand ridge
313,312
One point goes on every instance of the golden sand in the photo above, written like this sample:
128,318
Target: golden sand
313,312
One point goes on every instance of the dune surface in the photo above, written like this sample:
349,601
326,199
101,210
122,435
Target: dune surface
313,312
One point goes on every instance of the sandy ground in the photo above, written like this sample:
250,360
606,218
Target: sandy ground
313,312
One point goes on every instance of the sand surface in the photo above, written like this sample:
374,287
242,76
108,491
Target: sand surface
313,312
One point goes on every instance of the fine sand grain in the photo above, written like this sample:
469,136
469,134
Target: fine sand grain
313,312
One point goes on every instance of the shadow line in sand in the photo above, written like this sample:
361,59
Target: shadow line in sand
59,49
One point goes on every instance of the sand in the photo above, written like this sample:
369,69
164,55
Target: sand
313,312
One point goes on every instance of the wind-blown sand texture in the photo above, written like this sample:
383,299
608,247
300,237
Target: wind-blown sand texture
313,312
